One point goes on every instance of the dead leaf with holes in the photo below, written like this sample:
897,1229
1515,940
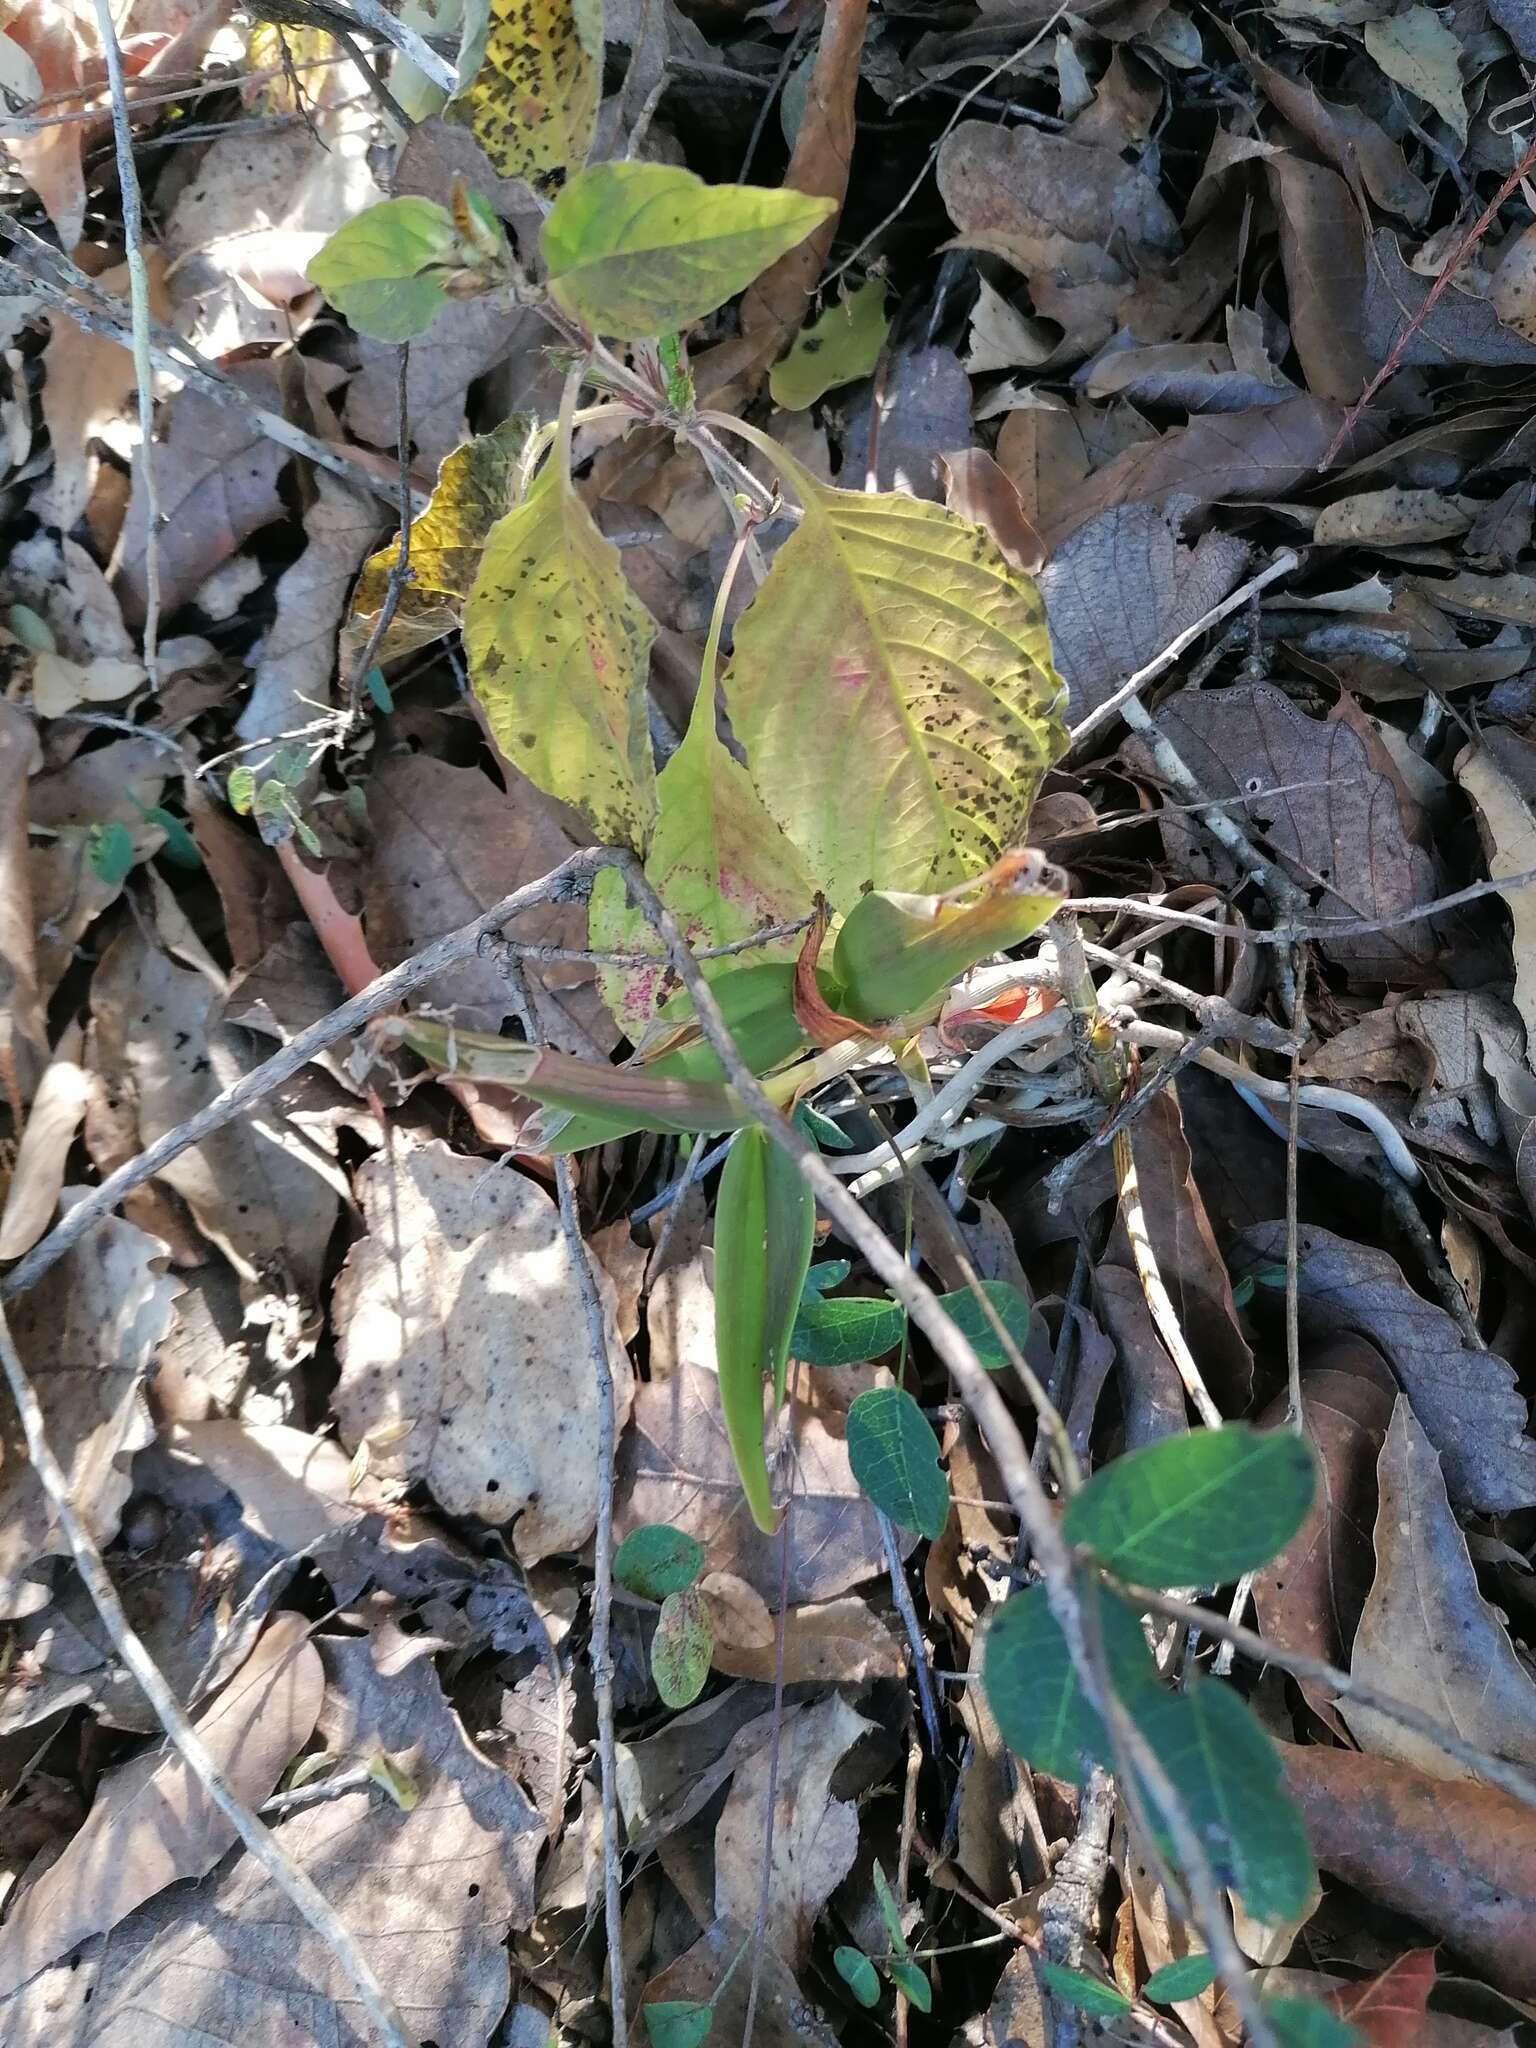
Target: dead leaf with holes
87,1333
465,1363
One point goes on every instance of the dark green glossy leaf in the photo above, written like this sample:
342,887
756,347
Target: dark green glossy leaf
1307,2023
895,1458
1196,1510
965,1312
846,1331
1033,1690
109,852
1186,1977
912,1980
655,1560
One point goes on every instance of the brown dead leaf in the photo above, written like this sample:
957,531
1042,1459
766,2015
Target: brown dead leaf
785,2018
291,675
815,1837
152,1824
38,1174
978,489
216,480
1041,448
1304,786
464,1361
1310,1598
831,1642
447,844
1121,587
1322,245
1466,1401
1460,328
1427,1635
23,1025
263,1193
431,1892
1458,1858
774,308
51,35
1498,772
675,1466
669,1777
88,381
1389,2009
1390,518
470,337
86,1332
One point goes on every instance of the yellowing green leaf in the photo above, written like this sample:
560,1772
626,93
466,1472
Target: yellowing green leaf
476,486
381,267
717,860
558,647
532,105
681,1647
896,951
893,688
843,344
639,250
1414,47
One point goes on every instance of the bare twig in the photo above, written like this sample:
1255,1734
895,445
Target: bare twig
571,877
410,45
400,568
901,1593
1296,1413
138,299
295,1884
1492,1769
1071,1899
1158,1300
1062,1174
1282,565
1336,928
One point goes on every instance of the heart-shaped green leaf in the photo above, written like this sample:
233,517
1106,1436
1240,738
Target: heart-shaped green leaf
383,267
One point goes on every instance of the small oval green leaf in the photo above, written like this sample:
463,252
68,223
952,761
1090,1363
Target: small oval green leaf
638,250
858,1973
678,2023
681,1648
1095,1995
1196,1510
372,268
847,1331
1307,2023
895,1458
966,1313
1033,1690
911,1979
655,1560
109,852
1186,1977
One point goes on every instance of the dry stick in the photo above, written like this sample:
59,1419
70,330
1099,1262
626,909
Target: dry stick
410,45
1297,1414
295,1884
1216,1015
1060,1175
1159,1302
1282,565
1454,261
986,1404
138,297
371,1002
1492,1769
901,1593
1338,928
1072,1897
183,362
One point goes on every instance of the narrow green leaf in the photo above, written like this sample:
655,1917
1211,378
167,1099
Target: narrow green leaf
890,1909
844,344
180,848
765,1229
1227,1772
1186,1977
847,1331
638,250
912,1980
1033,1690
374,267
895,1458
678,2023
655,1560
822,1278
681,1648
1307,2023
965,1312
821,1130
858,1973
1095,1995
1196,1510
892,686
717,860
109,852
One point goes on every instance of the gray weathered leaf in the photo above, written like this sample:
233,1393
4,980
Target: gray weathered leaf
1461,328
1466,1401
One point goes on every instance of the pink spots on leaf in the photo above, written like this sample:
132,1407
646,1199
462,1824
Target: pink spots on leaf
849,672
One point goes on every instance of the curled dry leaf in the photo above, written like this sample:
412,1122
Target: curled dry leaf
815,1837
829,1642
1466,1401
1310,1598
152,1824
667,1778
1458,1858
1427,1635
463,1345
41,1158
86,1332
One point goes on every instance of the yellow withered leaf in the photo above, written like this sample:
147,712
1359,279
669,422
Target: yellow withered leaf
532,105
